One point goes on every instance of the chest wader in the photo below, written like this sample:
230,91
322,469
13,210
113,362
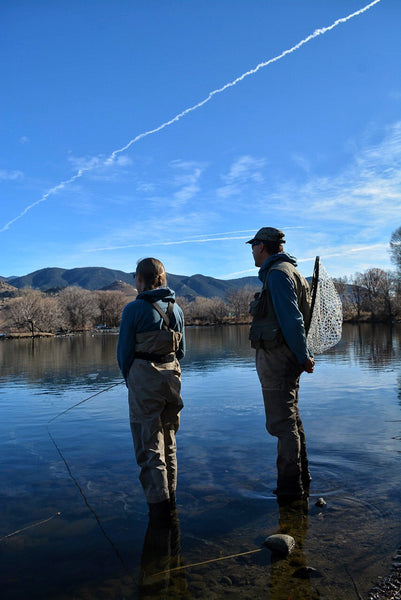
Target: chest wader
279,373
154,386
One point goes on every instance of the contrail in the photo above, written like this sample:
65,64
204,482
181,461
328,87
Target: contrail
172,243
45,196
193,239
311,258
346,251
185,112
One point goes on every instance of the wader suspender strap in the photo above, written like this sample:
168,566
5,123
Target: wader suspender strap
262,302
166,316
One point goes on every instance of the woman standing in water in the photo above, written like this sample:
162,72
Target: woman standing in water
150,344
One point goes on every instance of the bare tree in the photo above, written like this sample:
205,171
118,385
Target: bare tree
79,307
184,304
204,310
395,249
111,304
357,294
371,281
51,318
33,311
375,291
388,288
197,310
344,289
238,301
216,310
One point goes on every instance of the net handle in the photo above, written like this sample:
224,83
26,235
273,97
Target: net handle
315,279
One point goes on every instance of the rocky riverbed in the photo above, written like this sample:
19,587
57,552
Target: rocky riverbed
389,587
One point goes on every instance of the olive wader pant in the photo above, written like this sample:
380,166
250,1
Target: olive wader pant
154,406
279,375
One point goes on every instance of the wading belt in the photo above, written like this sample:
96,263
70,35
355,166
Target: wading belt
157,358
160,358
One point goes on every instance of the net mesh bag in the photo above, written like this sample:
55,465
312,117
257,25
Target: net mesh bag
327,316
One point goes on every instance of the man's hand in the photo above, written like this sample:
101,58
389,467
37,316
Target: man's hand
309,365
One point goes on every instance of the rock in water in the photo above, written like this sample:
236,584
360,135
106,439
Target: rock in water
279,542
320,502
306,573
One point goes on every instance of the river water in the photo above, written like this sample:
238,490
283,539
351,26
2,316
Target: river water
80,464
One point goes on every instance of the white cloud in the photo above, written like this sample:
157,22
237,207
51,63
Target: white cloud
367,192
244,169
146,187
244,172
6,175
186,177
302,162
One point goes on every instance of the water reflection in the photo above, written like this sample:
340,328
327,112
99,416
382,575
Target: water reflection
57,362
61,359
372,344
291,577
351,412
161,573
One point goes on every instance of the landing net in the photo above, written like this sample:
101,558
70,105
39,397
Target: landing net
327,316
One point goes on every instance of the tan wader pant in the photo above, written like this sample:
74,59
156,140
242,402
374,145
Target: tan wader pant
279,374
154,406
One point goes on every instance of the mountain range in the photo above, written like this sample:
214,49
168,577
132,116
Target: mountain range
100,278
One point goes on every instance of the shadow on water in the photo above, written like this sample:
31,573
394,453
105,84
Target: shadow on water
351,413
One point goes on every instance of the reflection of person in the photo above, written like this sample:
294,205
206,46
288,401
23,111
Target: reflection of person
161,575
150,345
277,332
289,578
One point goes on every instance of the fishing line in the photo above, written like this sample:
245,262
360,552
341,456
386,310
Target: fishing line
206,562
82,402
30,526
76,483
110,160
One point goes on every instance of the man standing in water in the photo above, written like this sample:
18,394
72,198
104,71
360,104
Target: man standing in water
280,313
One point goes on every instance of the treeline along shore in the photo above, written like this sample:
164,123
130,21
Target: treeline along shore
374,295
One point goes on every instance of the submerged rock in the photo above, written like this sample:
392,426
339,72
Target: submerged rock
279,542
306,573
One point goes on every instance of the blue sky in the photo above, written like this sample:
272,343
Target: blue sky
309,143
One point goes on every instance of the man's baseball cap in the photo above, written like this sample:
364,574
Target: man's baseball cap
268,234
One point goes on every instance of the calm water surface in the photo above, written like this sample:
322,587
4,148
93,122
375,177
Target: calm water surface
99,545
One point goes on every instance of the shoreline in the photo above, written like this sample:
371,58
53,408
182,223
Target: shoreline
115,330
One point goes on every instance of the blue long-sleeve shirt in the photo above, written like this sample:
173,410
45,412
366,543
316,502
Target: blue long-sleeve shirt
285,304
139,316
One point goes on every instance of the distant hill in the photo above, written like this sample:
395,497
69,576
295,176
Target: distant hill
97,278
7,290
120,286
89,278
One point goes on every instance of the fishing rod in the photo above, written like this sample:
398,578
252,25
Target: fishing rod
313,287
